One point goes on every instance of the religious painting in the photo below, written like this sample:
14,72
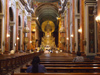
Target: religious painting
91,30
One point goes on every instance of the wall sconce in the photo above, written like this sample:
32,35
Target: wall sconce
71,35
80,30
8,35
30,41
15,44
67,38
17,38
58,18
33,30
37,18
97,19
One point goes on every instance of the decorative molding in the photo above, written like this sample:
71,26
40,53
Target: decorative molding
90,2
11,23
28,18
24,2
23,12
19,5
20,27
1,15
77,15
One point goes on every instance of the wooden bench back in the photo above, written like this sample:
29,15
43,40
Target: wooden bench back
68,69
56,74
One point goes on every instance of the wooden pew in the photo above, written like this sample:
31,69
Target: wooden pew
68,65
59,59
68,69
10,62
56,74
73,69
69,62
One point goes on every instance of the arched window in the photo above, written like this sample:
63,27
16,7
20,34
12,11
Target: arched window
11,14
0,7
24,35
19,24
78,6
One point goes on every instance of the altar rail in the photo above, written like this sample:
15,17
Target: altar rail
10,62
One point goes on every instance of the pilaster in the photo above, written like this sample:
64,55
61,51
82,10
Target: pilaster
7,28
23,15
29,34
69,30
82,25
17,10
73,27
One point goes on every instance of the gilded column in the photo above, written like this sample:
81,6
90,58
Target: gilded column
82,25
17,27
73,27
7,35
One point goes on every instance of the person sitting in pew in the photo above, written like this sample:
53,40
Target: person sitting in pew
36,67
78,58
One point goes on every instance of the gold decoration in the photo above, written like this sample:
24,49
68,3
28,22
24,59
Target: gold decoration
47,23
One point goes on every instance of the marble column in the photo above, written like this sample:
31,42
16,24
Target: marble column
82,25
98,28
73,26
7,28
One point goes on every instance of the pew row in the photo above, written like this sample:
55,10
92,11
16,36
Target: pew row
69,62
10,62
68,69
56,74
68,65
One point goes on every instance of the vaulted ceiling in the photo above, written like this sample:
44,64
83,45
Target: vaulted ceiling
47,10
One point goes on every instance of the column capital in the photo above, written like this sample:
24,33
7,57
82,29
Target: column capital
29,18
17,5
23,12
